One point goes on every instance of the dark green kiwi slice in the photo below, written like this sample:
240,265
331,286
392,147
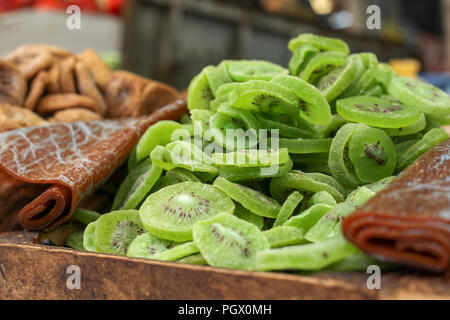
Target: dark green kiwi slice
288,207
321,64
376,112
429,140
75,240
246,215
335,82
321,42
233,173
311,256
147,246
282,236
229,242
250,199
217,76
424,96
199,93
171,212
85,216
158,134
300,57
136,186
246,70
264,96
115,231
313,106
372,154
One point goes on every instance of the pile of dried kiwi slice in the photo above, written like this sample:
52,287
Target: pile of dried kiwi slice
338,128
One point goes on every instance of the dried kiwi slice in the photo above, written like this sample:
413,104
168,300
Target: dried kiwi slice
225,89
309,217
313,106
335,82
245,116
75,240
252,158
229,242
171,212
372,154
288,207
305,145
250,199
136,186
417,126
159,134
313,256
286,130
248,216
233,173
217,76
264,96
300,57
246,70
282,236
147,246
197,259
322,197
89,237
429,140
281,187
424,96
321,64
321,42
177,252
376,112
115,231
199,93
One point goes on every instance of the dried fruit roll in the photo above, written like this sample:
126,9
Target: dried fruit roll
409,221
71,160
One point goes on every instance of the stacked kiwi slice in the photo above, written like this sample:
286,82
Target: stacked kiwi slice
338,126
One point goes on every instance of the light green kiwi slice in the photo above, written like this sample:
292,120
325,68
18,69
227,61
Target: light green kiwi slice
264,96
376,112
115,231
200,121
136,186
234,173
321,64
286,130
250,199
247,117
199,93
309,217
225,89
372,154
416,93
170,212
246,215
282,236
89,237
321,42
147,246
430,139
300,57
217,76
252,158
313,106
311,256
322,197
229,242
177,252
246,70
335,82
359,196
305,145
288,207
305,183
158,134
75,240
197,259
417,126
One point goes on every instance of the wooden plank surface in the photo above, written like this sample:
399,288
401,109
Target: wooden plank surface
31,271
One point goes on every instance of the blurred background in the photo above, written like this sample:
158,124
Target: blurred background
171,40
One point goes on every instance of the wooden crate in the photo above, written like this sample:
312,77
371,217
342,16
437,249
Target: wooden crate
31,271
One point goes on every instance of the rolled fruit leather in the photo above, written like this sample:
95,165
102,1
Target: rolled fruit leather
53,169
409,221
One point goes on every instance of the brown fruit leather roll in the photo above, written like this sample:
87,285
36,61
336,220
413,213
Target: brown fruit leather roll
409,221
68,161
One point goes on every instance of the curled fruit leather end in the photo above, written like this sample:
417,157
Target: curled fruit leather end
47,172
409,221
